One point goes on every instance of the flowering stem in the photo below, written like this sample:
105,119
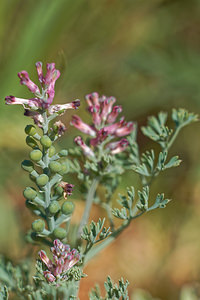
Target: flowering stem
88,205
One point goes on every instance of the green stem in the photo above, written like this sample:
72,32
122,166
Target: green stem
177,130
94,251
47,188
88,205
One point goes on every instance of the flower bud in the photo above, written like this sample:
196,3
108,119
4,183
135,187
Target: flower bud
63,152
42,179
45,141
67,208
55,166
35,155
31,142
38,225
52,151
30,193
27,165
59,233
30,130
54,207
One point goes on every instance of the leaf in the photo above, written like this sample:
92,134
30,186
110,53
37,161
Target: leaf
173,162
182,117
143,199
160,202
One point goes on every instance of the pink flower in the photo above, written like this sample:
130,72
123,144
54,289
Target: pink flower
114,114
125,130
117,147
86,150
63,260
105,126
61,108
43,98
24,79
79,124
33,103
37,117
107,105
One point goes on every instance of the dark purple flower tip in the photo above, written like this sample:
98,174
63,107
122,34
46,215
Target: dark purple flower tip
23,75
50,66
76,103
9,99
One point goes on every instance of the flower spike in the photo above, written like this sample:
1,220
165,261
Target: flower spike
105,126
63,260
44,98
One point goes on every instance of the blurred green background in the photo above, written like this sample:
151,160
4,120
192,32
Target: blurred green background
147,54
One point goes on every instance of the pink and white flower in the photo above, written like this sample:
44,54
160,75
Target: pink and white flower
63,260
44,98
86,150
117,147
83,127
104,116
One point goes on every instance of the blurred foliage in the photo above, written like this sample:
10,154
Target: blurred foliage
146,53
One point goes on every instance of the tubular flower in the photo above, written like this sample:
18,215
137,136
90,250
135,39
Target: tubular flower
86,150
63,259
105,125
44,97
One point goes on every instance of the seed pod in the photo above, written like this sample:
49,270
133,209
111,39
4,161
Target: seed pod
38,225
55,166
54,207
27,165
31,142
30,193
42,179
63,152
52,151
30,130
59,233
35,155
67,208
46,141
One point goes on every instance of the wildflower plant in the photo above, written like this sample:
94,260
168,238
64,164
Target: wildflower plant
99,161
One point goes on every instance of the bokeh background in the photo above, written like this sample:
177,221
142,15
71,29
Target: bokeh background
147,54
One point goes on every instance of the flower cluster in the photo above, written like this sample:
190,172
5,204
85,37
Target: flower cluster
44,97
104,116
64,259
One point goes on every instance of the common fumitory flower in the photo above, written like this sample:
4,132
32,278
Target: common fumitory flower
60,128
117,147
105,126
44,96
86,150
67,187
63,260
